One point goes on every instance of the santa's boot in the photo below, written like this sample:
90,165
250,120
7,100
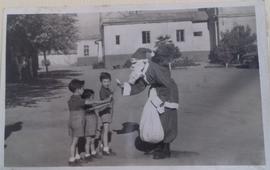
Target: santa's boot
156,148
163,153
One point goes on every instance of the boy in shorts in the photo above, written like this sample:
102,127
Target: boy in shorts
91,121
76,119
106,93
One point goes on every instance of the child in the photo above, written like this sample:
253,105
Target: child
76,119
91,120
106,93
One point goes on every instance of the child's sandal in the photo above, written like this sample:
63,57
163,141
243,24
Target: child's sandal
74,163
88,158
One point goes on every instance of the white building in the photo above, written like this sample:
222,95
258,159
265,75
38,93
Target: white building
123,36
88,50
87,53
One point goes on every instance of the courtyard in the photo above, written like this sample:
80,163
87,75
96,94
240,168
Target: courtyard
219,120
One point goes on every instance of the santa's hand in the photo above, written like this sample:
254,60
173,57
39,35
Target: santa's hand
161,109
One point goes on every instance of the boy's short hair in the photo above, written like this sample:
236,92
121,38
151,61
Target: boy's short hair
104,75
75,84
87,93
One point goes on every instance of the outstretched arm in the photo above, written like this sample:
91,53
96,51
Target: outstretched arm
97,102
132,89
99,107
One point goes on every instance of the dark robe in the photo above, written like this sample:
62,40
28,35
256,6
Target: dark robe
159,77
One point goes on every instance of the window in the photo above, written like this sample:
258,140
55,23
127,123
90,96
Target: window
117,39
197,33
180,35
86,50
146,37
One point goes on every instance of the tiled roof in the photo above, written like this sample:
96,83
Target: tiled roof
89,37
194,16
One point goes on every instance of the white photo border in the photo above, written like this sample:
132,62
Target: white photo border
263,69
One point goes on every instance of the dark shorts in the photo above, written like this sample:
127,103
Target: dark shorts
76,125
106,115
91,122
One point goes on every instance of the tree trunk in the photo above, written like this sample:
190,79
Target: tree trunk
19,68
45,62
35,64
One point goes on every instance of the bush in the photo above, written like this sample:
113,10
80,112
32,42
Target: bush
183,62
221,55
234,44
127,64
99,65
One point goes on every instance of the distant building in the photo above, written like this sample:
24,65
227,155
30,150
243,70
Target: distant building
195,32
124,35
88,50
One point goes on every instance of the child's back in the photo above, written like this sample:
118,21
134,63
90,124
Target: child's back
76,117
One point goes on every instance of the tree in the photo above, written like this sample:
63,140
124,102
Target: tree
29,35
166,52
162,40
22,55
235,43
59,34
223,55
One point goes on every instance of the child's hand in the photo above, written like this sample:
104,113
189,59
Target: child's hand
119,83
111,97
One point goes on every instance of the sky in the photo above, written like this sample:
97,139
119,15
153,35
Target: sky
88,24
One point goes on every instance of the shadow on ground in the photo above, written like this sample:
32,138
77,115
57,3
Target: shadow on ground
128,127
45,88
9,129
185,154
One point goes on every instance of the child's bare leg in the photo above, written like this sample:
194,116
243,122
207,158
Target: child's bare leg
92,145
105,137
73,149
77,156
87,146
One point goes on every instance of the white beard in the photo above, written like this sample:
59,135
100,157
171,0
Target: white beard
137,68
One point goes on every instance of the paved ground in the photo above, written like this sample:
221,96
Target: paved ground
220,120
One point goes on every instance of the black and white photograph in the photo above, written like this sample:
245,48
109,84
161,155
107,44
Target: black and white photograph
134,87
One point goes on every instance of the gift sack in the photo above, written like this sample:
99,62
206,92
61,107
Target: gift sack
151,129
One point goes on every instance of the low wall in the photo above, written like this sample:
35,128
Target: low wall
68,60
59,60
86,61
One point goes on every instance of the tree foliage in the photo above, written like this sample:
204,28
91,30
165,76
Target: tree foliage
166,51
234,44
30,35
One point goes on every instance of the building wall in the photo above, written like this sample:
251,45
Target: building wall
93,48
60,60
131,36
200,43
85,60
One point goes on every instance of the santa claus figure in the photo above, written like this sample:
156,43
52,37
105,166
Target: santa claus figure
155,72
